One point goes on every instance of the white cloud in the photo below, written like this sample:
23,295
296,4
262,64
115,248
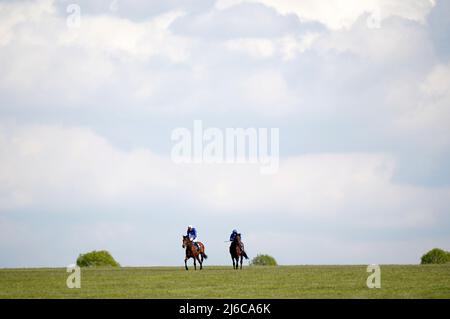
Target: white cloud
112,62
14,14
291,46
257,48
395,42
338,14
54,166
437,84
40,53
268,92
37,22
286,47
428,116
117,36
45,165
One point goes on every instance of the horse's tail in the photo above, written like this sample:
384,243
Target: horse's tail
202,251
244,254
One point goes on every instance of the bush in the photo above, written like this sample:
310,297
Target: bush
96,258
263,260
436,256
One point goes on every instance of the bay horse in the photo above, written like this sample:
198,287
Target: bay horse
237,251
193,252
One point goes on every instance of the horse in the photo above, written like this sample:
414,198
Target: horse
193,252
237,251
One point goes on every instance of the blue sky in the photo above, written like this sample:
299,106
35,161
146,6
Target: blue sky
360,91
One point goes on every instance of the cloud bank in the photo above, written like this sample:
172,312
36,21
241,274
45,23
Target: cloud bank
86,116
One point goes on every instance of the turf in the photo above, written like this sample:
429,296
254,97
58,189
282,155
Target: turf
397,281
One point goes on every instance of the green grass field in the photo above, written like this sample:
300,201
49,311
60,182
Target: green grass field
412,281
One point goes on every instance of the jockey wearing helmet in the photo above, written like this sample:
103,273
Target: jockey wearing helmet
233,235
192,234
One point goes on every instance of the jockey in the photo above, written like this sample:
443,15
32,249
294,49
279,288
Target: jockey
233,235
192,234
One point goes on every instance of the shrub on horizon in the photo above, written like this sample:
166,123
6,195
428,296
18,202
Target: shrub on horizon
263,260
436,256
97,258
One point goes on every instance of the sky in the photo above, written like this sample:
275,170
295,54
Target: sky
359,90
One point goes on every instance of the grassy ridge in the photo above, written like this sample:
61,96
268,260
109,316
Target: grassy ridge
409,281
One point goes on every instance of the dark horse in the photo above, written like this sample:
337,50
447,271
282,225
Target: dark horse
193,252
237,251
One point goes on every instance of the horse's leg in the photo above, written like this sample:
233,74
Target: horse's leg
237,262
200,262
195,264
185,263
232,258
241,261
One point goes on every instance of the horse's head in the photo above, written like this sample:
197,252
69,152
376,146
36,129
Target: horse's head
238,237
185,241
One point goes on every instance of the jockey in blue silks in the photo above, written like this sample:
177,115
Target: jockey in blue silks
233,235
192,234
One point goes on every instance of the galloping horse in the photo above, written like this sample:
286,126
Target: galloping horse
237,251
193,252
